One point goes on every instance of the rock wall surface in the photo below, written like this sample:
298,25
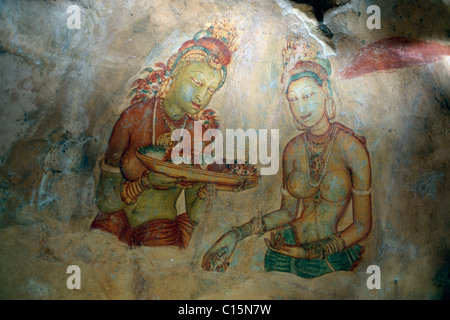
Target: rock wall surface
62,90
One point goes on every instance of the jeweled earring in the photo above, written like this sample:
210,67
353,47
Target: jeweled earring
330,108
166,88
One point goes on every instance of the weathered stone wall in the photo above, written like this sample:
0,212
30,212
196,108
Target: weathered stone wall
62,90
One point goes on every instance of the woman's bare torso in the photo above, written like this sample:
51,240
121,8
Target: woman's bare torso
153,203
322,206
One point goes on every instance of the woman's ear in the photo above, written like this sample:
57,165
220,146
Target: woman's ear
178,68
166,88
330,108
326,90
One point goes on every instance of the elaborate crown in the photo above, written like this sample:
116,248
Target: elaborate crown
301,56
224,31
297,48
216,44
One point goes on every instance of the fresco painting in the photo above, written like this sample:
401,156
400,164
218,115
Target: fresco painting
115,164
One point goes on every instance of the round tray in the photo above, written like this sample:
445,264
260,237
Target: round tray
221,180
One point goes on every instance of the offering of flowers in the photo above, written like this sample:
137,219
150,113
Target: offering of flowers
164,154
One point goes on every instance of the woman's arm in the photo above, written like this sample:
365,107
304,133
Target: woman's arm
217,257
289,204
196,205
358,162
108,196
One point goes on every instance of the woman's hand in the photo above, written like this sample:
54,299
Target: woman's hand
217,257
157,179
244,185
278,244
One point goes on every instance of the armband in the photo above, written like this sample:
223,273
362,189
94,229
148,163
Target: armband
106,167
285,192
361,193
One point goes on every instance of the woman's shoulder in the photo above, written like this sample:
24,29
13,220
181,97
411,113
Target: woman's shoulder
349,141
140,110
347,135
294,146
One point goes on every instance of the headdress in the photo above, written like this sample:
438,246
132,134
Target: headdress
215,45
301,58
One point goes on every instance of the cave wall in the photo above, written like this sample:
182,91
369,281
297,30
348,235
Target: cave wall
63,89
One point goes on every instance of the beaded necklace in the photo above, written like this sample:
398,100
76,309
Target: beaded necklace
169,123
317,163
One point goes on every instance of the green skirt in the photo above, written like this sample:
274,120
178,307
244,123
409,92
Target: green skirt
340,261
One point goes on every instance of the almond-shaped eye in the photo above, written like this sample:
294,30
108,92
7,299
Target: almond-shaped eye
309,95
196,81
292,99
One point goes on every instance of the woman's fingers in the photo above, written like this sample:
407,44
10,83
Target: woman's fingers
279,238
244,185
217,260
284,249
222,267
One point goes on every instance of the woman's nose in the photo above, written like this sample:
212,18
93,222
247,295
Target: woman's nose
200,96
302,108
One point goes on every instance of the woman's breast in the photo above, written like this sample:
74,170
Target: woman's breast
335,185
132,167
298,185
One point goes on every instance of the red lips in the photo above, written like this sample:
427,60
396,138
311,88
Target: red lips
196,106
305,117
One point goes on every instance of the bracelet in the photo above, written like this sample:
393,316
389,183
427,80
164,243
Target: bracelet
106,167
333,245
143,181
321,250
132,190
243,231
317,251
258,225
206,191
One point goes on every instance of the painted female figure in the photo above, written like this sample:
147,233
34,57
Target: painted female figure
138,205
324,167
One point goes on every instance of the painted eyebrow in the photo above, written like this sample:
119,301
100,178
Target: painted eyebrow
200,73
213,83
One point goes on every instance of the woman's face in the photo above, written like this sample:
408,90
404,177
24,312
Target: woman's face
193,87
307,101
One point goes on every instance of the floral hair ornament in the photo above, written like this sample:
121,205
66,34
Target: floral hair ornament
301,59
216,45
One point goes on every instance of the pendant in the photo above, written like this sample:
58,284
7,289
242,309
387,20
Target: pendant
165,140
316,167
317,198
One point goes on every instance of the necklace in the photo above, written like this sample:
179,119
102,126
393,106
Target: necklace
322,143
169,123
318,162
164,139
